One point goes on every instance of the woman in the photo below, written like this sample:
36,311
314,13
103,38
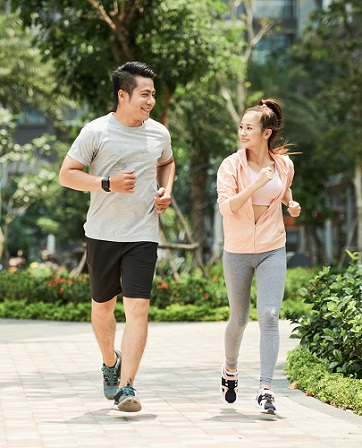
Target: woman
252,184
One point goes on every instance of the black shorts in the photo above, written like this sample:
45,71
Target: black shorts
112,264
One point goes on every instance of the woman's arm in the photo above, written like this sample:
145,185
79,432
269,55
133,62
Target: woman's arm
237,201
294,208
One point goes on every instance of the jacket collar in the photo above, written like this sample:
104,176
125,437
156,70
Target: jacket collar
281,162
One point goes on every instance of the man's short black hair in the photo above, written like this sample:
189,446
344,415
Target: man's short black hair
124,77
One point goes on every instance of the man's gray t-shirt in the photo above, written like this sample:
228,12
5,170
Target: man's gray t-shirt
106,147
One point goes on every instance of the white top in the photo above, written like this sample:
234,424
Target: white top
266,194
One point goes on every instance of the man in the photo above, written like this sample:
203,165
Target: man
131,174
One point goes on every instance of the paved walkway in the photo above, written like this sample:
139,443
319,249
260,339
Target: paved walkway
51,393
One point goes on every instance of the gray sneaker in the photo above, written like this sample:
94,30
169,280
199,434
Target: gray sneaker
126,400
111,377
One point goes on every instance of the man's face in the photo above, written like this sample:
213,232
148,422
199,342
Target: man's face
138,106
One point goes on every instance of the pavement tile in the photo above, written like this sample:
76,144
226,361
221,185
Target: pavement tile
51,393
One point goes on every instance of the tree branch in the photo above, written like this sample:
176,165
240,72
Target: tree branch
105,17
230,105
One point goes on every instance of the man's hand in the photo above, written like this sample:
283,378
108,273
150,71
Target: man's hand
162,200
123,182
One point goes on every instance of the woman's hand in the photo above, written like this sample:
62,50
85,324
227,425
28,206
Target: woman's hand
294,209
265,175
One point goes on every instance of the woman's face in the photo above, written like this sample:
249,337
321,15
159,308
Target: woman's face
251,134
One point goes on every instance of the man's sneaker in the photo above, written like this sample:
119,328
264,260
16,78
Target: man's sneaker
229,385
126,399
111,377
265,400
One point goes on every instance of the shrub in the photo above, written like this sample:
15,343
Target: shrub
333,328
34,284
188,313
191,289
21,309
41,284
81,312
296,279
293,306
308,373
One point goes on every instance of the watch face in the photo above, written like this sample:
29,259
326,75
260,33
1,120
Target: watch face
105,184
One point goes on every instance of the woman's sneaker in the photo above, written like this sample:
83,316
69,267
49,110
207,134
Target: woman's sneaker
111,377
229,385
265,400
126,400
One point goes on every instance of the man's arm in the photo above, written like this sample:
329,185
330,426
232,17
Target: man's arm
165,180
72,175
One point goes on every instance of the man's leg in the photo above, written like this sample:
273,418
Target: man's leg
134,337
137,271
104,326
133,344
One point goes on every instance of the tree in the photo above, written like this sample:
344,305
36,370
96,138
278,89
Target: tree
203,129
332,50
180,40
285,78
246,32
25,178
26,83
87,39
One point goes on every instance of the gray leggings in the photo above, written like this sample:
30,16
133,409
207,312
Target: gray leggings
270,269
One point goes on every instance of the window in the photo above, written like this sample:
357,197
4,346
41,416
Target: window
274,9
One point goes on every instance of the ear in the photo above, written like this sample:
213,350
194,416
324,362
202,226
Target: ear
267,133
122,94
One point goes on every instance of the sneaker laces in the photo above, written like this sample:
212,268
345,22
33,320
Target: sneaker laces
110,374
268,397
129,390
125,390
230,384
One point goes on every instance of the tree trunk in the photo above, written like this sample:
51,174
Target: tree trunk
165,107
198,197
189,237
358,193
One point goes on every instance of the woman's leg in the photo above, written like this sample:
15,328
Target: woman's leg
270,281
238,274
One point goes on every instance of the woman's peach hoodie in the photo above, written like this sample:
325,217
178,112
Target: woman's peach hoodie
241,233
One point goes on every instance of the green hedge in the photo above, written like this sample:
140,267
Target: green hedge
80,312
306,372
332,330
34,284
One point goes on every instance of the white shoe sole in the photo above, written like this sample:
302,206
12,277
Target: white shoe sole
269,411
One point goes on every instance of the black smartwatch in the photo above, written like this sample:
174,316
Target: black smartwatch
105,184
